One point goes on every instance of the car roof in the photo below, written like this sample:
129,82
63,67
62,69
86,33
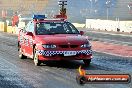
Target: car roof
49,20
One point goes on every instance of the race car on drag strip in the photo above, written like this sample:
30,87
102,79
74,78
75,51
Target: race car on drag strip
53,39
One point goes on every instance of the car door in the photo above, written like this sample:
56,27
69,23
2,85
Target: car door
28,42
25,40
30,39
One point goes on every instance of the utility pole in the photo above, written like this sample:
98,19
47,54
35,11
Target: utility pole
91,6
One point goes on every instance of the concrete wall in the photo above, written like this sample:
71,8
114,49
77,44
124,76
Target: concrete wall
1,26
8,29
109,25
79,25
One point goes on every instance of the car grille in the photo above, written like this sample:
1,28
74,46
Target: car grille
73,46
68,46
64,46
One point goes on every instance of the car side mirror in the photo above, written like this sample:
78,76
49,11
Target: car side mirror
29,33
81,32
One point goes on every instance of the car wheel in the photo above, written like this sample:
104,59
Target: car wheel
21,56
87,62
36,60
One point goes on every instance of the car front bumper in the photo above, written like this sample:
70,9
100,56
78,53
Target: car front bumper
64,55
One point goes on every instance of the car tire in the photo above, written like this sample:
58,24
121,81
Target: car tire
21,56
37,62
87,62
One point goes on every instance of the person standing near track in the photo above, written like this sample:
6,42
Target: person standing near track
15,20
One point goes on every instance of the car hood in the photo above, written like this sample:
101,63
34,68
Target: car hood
61,39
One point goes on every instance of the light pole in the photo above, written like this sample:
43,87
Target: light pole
130,6
108,2
91,6
107,13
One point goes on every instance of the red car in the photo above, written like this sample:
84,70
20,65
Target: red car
53,39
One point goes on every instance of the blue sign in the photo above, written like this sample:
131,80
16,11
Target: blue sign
39,16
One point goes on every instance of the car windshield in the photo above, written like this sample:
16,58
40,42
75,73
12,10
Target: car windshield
44,28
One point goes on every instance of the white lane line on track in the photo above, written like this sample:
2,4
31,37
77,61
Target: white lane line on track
110,33
112,54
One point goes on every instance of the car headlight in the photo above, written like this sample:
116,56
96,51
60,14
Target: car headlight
86,46
48,46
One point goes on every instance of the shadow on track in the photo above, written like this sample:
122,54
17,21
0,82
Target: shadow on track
63,64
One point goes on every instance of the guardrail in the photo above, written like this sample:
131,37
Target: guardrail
1,26
107,25
79,25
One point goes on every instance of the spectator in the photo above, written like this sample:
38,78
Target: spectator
15,20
